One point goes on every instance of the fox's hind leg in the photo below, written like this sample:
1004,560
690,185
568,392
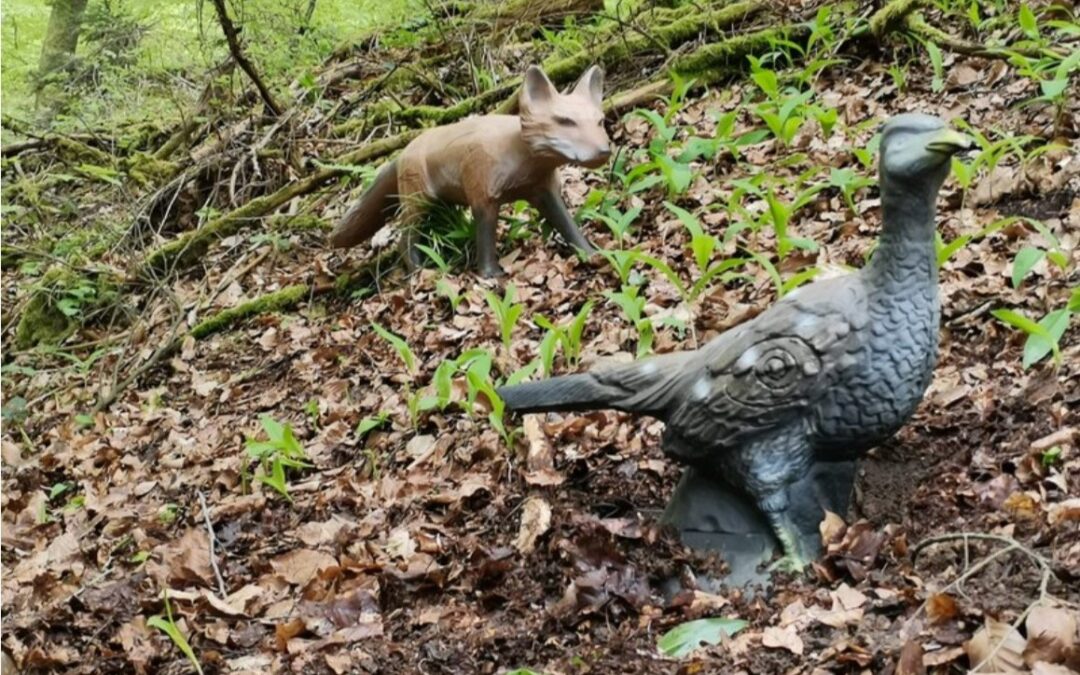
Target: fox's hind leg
411,217
414,204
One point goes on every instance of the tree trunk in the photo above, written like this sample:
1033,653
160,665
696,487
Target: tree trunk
62,35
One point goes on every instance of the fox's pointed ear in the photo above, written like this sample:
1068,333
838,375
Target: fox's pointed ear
537,88
591,84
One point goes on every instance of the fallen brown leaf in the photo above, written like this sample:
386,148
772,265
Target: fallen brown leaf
775,637
535,521
911,660
997,647
300,566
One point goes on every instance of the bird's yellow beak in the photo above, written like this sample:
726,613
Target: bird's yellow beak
950,142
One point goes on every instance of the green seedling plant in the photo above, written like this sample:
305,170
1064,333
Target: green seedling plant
619,222
506,311
702,247
724,140
682,640
1024,262
865,154
281,451
661,167
784,111
371,423
848,182
1044,335
622,261
991,153
452,296
1051,69
311,409
778,214
477,367
1029,256
781,212
810,60
565,336
435,257
632,304
167,625
399,345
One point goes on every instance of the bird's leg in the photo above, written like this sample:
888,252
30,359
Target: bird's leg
775,507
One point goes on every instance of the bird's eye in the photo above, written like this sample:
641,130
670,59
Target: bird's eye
565,121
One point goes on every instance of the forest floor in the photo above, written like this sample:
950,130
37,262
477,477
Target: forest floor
426,544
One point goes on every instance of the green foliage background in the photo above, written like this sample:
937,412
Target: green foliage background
163,72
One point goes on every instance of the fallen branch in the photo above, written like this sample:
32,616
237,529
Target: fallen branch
917,25
891,16
191,246
905,15
365,275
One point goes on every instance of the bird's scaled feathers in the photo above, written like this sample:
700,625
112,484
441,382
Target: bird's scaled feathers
752,377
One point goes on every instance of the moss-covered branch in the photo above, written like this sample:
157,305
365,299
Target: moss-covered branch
502,98
286,298
188,248
717,60
891,16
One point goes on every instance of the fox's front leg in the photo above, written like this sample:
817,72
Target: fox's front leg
486,217
550,204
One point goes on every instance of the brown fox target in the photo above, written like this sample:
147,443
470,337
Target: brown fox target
484,162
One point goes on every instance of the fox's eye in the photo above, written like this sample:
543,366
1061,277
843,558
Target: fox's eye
565,121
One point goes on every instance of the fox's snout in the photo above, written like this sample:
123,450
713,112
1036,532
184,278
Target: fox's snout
599,156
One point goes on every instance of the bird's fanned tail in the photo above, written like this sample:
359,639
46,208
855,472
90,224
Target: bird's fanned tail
571,392
644,387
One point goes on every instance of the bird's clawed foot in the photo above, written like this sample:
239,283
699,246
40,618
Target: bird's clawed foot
790,563
794,560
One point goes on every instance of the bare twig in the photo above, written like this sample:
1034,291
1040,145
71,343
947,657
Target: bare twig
1010,546
222,591
241,58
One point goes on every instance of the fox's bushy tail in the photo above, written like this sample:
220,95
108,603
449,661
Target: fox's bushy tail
376,206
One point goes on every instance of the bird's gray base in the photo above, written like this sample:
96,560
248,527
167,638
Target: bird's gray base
712,516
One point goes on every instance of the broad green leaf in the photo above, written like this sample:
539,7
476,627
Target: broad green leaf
767,81
399,345
1018,320
936,60
523,373
169,627
1025,259
1052,89
371,423
275,431
1038,346
683,639
1028,23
